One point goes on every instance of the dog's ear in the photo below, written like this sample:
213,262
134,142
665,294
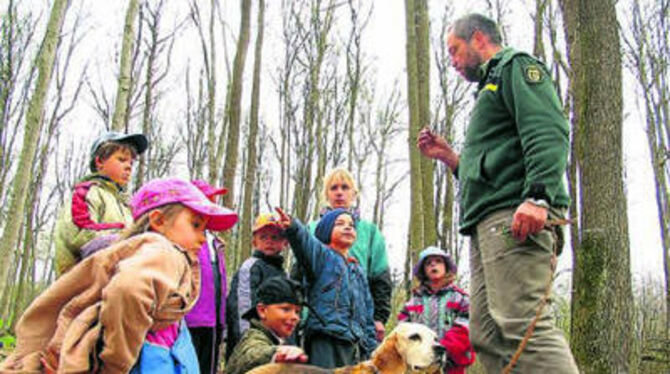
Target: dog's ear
387,357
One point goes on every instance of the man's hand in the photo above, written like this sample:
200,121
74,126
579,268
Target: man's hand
434,146
289,353
380,330
284,219
528,219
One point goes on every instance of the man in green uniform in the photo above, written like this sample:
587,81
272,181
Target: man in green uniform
511,177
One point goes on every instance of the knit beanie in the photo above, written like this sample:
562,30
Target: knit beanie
324,229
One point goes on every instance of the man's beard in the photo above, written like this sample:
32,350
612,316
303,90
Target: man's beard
472,71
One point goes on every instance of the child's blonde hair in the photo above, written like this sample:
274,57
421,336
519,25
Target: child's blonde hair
335,175
142,223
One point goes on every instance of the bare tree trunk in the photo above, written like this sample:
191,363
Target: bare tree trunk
34,121
35,219
234,103
354,72
251,169
125,67
16,39
416,229
213,142
423,75
538,20
28,243
148,94
645,49
601,338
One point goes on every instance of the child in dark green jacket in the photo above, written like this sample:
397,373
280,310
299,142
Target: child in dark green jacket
272,320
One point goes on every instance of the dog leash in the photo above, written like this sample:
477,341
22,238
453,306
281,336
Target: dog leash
549,225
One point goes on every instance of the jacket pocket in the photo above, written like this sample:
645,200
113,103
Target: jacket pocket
476,170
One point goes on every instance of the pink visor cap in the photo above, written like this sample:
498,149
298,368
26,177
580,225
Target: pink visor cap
209,190
159,192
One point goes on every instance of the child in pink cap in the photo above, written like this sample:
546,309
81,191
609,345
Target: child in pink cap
120,309
208,317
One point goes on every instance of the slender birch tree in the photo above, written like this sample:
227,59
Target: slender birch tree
125,67
33,124
249,181
416,231
423,89
16,38
234,102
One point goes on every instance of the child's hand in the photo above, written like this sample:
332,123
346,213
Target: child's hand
284,219
289,353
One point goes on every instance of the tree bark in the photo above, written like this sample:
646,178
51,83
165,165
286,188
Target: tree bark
147,114
213,142
538,21
234,103
34,120
601,336
423,81
125,66
416,224
250,173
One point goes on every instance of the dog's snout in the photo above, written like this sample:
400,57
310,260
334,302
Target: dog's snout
439,349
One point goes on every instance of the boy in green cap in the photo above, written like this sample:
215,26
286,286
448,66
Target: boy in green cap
99,204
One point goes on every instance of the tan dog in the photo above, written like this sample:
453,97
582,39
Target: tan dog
410,348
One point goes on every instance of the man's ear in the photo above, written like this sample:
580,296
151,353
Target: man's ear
260,309
479,39
156,220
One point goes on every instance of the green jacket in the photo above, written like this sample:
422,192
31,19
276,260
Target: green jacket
257,347
370,251
101,208
516,144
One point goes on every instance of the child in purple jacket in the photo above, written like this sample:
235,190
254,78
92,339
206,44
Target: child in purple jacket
207,318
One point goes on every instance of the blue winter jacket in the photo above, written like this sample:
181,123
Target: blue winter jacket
337,289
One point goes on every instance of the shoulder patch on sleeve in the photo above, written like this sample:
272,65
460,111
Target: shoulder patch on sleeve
533,74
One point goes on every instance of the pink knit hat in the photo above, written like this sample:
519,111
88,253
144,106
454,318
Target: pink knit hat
159,192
